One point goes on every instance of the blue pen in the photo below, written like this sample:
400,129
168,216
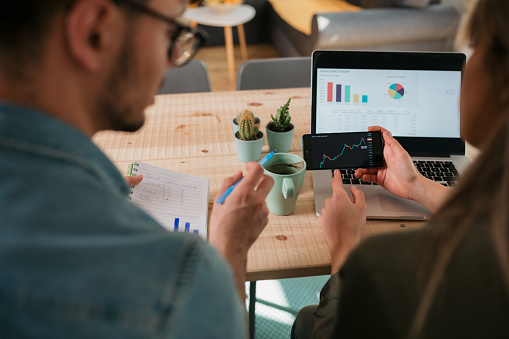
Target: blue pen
262,162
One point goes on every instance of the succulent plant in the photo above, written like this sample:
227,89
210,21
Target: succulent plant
282,120
248,130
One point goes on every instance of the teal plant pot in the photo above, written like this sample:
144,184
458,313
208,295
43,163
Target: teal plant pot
249,150
279,141
235,126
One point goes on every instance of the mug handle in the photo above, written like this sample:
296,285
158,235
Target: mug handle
288,188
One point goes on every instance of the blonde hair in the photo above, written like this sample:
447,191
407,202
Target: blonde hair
474,201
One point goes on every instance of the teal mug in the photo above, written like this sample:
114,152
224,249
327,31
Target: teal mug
288,171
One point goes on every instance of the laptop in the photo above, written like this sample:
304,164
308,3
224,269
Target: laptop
412,94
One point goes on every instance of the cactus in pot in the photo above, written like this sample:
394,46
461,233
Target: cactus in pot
235,121
248,129
280,129
249,139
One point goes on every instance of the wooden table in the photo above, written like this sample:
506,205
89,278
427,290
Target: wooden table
192,133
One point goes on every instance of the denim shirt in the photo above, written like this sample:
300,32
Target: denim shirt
79,260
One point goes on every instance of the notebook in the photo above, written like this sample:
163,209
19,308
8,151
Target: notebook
414,95
178,201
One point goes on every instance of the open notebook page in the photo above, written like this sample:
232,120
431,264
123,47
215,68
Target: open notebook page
178,201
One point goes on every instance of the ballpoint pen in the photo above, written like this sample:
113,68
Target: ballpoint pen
262,162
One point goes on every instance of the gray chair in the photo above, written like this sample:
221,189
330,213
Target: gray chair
192,77
275,73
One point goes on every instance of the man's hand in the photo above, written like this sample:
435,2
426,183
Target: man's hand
133,180
400,177
342,221
236,224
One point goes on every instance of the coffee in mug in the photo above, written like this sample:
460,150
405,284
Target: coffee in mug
286,168
288,171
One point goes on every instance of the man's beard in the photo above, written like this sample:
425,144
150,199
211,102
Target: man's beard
114,106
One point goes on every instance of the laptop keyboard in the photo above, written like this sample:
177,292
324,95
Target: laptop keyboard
443,172
349,178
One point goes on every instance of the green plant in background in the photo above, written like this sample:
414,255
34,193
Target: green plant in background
248,130
281,123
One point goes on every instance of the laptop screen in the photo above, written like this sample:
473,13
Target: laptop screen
413,95
407,103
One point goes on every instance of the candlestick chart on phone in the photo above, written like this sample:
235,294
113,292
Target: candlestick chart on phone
342,152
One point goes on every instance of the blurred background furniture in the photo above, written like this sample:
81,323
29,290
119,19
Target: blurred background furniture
237,17
298,27
275,73
301,30
192,77
256,30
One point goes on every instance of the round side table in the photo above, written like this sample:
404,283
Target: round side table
237,17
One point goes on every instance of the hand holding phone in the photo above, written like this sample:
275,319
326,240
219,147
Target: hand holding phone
343,150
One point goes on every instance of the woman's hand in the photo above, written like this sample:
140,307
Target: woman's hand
399,174
400,177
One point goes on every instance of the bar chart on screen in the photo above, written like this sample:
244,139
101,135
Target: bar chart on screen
343,93
373,88
349,100
177,201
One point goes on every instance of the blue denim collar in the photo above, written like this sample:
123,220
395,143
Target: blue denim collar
28,130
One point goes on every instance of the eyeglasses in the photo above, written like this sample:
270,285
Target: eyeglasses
184,42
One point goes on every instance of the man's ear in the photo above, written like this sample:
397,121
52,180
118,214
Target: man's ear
91,29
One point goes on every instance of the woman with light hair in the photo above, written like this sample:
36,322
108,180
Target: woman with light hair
450,278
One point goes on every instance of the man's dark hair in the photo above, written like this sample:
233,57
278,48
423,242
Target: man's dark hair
23,26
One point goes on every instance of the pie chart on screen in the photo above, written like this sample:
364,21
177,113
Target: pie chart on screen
396,91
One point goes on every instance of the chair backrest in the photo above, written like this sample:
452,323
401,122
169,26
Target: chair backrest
275,73
192,77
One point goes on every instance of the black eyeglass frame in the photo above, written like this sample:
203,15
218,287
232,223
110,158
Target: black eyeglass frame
180,26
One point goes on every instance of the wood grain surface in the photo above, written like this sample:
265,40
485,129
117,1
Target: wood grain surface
192,133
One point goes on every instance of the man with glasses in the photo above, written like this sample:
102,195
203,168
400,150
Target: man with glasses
77,259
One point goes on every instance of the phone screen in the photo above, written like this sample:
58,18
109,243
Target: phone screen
343,150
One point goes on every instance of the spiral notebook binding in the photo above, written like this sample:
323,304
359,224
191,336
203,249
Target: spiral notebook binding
130,171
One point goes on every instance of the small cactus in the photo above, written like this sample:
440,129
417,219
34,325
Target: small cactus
282,119
255,119
248,130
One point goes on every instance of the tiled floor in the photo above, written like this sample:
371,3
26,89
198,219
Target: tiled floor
279,301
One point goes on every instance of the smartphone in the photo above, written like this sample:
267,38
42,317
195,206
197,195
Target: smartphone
343,150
